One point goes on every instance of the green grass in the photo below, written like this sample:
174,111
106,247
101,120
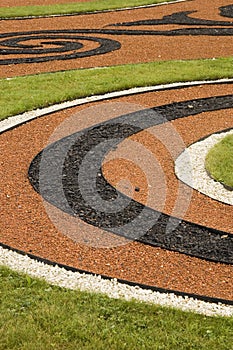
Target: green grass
219,161
71,8
22,94
37,316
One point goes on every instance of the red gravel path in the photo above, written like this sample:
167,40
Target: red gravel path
25,224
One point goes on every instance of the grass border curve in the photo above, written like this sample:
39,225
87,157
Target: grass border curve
74,8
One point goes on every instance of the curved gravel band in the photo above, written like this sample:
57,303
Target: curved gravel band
67,46
18,120
201,180
14,121
146,225
182,18
69,42
68,276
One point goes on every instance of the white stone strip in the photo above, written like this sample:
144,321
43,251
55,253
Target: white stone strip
112,288
190,168
27,116
95,12
74,280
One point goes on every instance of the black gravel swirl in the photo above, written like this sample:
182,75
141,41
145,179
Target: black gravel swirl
135,221
63,45
69,44
181,18
227,11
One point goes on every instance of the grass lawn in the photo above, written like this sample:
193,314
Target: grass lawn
219,161
72,8
22,94
35,315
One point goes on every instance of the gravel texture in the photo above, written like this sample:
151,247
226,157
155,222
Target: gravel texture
58,173
56,275
190,168
37,228
33,231
154,42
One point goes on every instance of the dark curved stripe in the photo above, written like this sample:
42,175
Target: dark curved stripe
214,31
226,11
135,221
181,18
133,284
184,31
67,46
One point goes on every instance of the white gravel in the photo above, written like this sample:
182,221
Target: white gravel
93,283
190,168
16,120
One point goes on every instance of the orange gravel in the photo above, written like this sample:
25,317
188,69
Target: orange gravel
25,224
134,49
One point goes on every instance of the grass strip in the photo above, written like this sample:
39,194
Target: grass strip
219,161
72,8
26,93
35,315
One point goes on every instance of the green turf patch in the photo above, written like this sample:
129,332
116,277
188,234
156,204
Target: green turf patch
72,8
22,94
219,161
35,315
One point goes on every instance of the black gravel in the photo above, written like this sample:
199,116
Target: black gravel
181,18
66,46
67,43
226,11
68,175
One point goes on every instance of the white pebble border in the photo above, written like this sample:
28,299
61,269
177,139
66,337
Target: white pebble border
113,289
11,122
95,283
190,168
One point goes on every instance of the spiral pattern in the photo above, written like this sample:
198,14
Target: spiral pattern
71,174
44,46
147,225
50,45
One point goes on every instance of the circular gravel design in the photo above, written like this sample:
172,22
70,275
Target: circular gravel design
126,233
63,45
156,32
55,171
